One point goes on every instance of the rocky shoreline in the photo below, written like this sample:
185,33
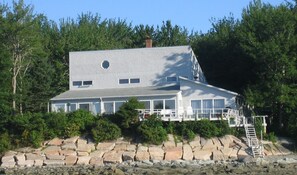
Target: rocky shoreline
278,166
225,155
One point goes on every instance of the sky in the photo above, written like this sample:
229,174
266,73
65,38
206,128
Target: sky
194,15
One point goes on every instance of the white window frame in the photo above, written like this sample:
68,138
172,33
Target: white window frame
128,81
78,105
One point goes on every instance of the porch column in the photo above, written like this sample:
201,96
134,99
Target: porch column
101,106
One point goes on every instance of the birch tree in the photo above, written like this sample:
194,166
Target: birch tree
21,41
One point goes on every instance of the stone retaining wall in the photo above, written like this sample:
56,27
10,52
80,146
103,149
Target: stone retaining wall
79,151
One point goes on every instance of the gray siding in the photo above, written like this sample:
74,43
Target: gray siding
151,65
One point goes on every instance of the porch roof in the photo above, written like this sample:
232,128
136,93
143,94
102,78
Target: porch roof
119,92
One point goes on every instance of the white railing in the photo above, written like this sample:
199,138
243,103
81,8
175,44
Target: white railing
190,115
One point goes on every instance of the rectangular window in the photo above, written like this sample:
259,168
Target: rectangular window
196,104
118,105
169,104
72,107
147,105
88,83
84,106
171,79
123,81
108,107
207,106
60,107
77,83
158,104
219,103
134,80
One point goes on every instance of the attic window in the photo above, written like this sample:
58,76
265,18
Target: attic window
87,83
134,80
105,64
77,83
123,81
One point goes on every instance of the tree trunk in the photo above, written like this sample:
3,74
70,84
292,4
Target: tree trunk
14,87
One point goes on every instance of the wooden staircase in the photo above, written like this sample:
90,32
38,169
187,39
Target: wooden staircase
252,140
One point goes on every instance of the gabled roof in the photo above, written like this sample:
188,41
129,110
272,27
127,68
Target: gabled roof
209,86
119,92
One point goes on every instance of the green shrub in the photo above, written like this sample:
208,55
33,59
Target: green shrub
84,119
5,142
207,129
271,137
56,124
105,130
152,131
71,129
223,128
25,128
127,116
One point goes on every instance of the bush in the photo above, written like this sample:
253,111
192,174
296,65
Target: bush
127,116
152,131
223,128
83,118
207,129
271,137
185,130
5,142
105,130
56,124
27,129
79,121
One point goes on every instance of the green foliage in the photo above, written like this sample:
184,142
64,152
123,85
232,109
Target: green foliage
223,128
5,142
27,129
207,129
271,137
292,126
56,124
152,131
84,119
105,130
258,126
127,116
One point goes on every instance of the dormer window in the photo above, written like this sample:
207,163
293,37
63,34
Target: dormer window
171,79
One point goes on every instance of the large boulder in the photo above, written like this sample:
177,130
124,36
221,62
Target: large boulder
55,142
217,155
105,146
96,161
202,154
209,145
128,156
113,157
142,155
174,153
70,160
156,153
83,160
187,152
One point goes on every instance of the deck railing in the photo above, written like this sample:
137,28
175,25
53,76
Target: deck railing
191,115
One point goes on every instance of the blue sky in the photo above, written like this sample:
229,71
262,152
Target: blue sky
194,15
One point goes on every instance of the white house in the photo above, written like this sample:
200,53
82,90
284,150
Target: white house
168,80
